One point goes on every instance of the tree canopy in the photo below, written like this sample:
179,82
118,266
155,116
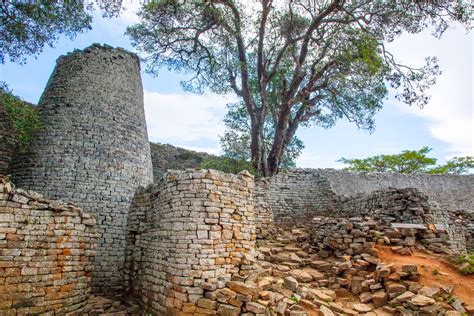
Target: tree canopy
27,26
294,63
410,162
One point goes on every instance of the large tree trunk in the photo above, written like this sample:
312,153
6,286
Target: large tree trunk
279,142
257,148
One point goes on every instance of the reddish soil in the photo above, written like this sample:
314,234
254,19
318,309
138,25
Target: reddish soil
435,271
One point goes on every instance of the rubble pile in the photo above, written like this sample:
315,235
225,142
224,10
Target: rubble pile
353,236
293,279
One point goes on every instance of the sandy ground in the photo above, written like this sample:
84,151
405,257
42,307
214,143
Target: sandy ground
444,273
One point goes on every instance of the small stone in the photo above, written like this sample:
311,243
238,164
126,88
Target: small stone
429,291
457,305
362,308
255,308
380,298
301,276
365,297
421,300
326,311
393,287
228,310
469,309
290,283
206,303
243,288
403,297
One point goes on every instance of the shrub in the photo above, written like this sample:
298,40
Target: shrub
466,263
22,115
228,165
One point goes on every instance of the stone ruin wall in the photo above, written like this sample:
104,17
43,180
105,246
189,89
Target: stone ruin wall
296,196
46,254
167,157
93,147
449,191
189,233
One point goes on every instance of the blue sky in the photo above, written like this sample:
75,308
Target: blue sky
195,121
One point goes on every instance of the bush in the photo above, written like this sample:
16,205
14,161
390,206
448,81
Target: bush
228,165
22,115
465,263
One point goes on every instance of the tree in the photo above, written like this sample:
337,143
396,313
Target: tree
409,162
297,62
457,165
27,26
236,140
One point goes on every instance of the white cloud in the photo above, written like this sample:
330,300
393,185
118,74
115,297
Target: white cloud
449,114
178,118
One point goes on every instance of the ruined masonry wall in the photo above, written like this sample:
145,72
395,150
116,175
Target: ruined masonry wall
46,254
167,157
300,194
449,191
189,233
93,148
296,196
389,206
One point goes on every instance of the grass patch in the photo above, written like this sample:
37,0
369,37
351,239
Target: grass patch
465,263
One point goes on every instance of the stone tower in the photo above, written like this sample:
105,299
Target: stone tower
93,147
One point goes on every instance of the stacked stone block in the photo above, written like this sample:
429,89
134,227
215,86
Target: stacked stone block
192,231
264,219
296,196
93,148
357,235
389,205
167,157
46,254
451,192
342,236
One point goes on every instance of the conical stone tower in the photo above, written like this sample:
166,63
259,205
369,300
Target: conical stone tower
93,147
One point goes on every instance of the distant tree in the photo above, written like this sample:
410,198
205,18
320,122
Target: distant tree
457,165
410,162
297,62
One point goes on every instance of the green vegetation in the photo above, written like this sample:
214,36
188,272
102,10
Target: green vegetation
236,140
293,64
409,162
228,165
27,26
465,263
22,116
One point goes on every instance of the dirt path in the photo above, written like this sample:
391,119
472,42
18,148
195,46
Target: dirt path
434,272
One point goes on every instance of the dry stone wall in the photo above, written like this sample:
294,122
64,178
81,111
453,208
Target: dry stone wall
299,194
167,157
93,148
389,206
296,196
190,233
449,191
46,254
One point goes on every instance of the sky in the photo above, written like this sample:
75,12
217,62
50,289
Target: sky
193,121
